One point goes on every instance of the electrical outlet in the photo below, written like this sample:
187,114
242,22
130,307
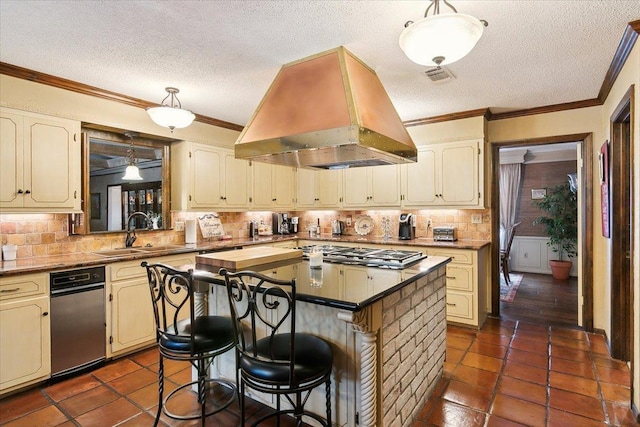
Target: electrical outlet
348,220
429,223
179,226
476,219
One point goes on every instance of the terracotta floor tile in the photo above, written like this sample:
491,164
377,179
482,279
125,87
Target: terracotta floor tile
541,336
532,328
146,357
48,416
496,421
141,420
109,414
461,343
606,360
532,346
614,376
585,386
134,381
615,393
559,418
449,368
502,326
586,406
620,414
487,349
454,355
566,366
88,400
525,372
170,366
181,377
479,361
116,369
518,410
460,331
447,413
575,334
22,404
570,353
528,358
569,342
598,344
523,390
71,387
466,395
492,338
147,397
475,377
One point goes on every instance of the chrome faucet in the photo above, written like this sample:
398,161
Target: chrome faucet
130,238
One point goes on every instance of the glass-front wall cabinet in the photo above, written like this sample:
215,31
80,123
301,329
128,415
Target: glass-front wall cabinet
110,199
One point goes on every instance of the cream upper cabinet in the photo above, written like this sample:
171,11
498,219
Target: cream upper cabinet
318,188
39,163
446,175
207,177
371,186
272,186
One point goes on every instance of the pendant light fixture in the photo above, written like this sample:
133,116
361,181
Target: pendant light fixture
171,114
132,173
441,38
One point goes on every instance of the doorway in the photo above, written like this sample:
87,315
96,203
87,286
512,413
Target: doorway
621,229
585,220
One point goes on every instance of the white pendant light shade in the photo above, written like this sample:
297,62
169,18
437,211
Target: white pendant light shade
171,115
441,39
132,173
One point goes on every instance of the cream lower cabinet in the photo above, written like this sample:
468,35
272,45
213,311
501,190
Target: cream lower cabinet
25,331
316,189
130,321
446,175
371,186
39,163
467,284
207,177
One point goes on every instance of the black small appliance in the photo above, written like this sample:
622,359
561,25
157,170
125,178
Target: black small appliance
406,229
281,223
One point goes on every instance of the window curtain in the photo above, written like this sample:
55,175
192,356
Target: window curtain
509,192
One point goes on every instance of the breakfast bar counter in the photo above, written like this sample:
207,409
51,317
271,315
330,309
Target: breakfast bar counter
387,329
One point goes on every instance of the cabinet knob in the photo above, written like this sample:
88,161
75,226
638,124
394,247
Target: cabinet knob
46,313
273,200
27,192
20,191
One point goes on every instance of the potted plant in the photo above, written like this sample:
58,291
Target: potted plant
561,223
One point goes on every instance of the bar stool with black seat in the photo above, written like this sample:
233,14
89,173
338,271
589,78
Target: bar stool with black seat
184,336
279,361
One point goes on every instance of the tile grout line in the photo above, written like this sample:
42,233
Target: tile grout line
603,403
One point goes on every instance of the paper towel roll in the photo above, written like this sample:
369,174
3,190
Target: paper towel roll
190,231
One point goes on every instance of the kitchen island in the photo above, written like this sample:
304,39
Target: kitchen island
387,329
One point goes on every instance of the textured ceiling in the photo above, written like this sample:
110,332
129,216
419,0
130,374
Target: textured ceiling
223,55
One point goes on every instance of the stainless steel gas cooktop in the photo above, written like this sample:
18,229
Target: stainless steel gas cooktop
382,258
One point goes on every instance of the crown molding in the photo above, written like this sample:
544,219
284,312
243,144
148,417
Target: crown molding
70,85
449,117
619,58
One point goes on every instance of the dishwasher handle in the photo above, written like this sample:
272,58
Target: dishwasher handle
75,289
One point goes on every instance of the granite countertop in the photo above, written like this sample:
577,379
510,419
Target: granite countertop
84,259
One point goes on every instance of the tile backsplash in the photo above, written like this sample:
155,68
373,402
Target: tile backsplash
48,234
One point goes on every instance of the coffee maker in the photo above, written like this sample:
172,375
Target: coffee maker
280,223
407,227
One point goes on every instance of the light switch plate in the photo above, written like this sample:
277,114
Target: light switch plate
179,226
476,219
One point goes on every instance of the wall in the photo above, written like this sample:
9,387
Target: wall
538,175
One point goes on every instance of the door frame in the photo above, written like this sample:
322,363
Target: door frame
585,212
621,148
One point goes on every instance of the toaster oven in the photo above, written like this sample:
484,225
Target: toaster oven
444,234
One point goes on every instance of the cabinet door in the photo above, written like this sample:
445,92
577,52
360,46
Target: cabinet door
132,321
52,164
356,187
420,179
459,172
283,188
206,185
385,185
328,183
236,183
262,184
24,356
11,160
305,187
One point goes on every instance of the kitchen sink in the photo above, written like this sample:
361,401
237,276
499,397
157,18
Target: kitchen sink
118,252
159,248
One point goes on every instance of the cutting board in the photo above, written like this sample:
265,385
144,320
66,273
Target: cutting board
247,258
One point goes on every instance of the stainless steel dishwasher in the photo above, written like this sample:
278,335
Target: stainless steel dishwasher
78,327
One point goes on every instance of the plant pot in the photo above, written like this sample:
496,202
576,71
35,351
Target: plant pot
560,269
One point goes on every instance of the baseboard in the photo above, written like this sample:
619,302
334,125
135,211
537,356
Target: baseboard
606,338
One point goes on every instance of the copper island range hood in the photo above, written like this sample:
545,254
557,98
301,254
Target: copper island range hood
327,111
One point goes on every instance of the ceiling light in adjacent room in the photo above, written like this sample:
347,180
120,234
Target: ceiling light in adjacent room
171,114
440,38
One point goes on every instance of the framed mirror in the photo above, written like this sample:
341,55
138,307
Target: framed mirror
110,198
